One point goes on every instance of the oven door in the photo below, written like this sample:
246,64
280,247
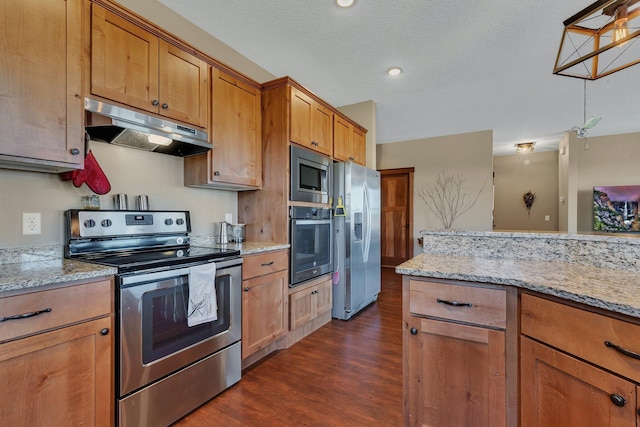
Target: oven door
154,337
311,249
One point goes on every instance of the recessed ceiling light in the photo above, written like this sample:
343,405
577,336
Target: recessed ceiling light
344,3
394,71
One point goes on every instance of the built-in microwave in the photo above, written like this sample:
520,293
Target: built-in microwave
310,176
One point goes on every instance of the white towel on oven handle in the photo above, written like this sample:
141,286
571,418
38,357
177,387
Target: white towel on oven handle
203,304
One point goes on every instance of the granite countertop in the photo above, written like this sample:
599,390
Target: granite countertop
22,276
245,248
611,289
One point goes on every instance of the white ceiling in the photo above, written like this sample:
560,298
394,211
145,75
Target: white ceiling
468,65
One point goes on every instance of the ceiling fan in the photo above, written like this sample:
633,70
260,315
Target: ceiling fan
582,131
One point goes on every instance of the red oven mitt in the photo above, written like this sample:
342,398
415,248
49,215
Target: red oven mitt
92,175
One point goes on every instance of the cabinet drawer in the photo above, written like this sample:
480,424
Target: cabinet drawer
583,334
482,306
261,264
61,306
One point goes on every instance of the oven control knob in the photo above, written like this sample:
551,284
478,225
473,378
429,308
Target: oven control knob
89,223
106,223
168,221
179,221
179,240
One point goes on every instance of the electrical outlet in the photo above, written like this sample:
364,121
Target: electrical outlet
547,218
31,223
228,218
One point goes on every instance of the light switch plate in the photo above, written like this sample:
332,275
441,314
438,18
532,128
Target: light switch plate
228,218
31,223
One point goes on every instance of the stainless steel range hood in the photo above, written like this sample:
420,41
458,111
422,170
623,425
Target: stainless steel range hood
120,126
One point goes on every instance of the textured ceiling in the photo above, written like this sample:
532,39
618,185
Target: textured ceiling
468,65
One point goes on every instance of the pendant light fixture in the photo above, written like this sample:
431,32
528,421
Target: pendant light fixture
600,40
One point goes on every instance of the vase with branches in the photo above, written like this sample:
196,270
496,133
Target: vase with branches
446,199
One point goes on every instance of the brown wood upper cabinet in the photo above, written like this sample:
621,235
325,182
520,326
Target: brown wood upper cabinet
134,67
349,142
235,162
310,123
41,67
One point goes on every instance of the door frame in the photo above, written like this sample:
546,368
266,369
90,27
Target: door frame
409,230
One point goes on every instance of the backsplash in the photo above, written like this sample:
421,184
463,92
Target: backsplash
621,253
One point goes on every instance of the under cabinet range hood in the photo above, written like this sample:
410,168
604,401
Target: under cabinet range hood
120,126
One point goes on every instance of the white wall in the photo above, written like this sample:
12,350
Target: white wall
468,154
129,171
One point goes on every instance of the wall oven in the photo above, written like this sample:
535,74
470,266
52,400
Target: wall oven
311,244
310,176
165,368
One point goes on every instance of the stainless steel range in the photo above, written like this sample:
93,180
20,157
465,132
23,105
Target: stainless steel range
168,360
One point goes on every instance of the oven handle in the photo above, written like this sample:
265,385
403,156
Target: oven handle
161,275
311,221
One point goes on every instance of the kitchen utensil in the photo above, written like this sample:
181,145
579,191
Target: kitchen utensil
236,234
120,202
221,232
142,202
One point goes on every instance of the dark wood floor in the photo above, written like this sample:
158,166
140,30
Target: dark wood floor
347,373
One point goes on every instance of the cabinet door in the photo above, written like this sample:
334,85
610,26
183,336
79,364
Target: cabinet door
558,390
359,146
41,106
456,375
184,89
124,61
324,298
342,135
236,156
59,378
322,129
263,311
302,307
300,118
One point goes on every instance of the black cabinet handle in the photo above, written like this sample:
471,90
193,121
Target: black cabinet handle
413,331
25,315
618,400
266,264
216,173
246,289
155,102
75,151
104,331
165,106
622,350
454,303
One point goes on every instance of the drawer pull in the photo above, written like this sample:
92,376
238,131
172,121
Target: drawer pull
25,315
618,400
413,331
454,303
622,350
267,264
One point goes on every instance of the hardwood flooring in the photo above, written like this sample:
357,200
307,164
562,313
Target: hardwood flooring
347,373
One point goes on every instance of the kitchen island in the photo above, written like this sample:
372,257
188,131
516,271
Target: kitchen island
561,311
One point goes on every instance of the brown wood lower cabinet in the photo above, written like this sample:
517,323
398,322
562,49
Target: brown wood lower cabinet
569,375
58,375
310,301
264,302
560,390
460,354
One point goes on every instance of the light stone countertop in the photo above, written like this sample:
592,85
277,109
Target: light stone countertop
19,277
245,248
611,289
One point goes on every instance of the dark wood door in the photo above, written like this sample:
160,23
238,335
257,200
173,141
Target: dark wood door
396,220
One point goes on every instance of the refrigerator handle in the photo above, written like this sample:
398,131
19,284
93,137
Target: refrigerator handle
367,226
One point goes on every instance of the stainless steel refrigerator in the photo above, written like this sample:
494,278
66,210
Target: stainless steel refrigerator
356,226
